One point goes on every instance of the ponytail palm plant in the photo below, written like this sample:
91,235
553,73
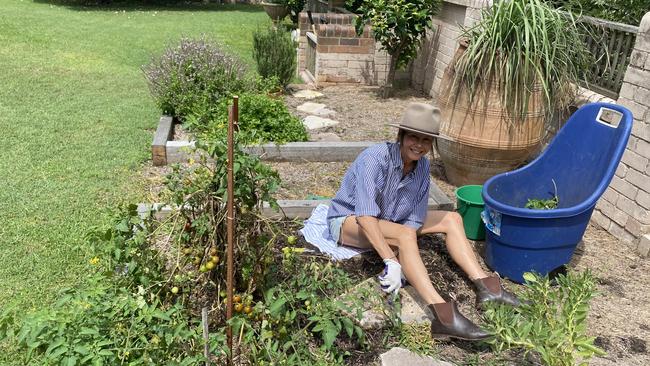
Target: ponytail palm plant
518,47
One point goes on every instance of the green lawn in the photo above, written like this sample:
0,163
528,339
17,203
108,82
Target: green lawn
77,120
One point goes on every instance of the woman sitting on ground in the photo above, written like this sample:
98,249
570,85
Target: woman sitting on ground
382,204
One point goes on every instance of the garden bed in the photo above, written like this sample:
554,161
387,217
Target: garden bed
619,316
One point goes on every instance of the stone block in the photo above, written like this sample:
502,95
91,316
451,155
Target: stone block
638,179
610,195
638,58
612,212
646,67
349,42
626,189
601,220
638,110
333,64
642,42
634,160
637,77
627,91
398,356
359,65
328,41
641,129
350,49
626,205
636,228
643,248
620,233
643,199
621,170
642,95
642,148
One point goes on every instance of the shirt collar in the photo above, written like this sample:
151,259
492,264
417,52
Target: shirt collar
396,158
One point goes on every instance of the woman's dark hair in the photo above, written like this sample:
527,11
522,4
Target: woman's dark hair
400,135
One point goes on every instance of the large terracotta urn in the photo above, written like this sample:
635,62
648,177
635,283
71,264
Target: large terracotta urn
487,141
275,11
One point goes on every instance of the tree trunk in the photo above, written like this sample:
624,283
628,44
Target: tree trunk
387,90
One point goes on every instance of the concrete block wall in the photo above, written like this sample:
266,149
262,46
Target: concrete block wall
624,209
441,43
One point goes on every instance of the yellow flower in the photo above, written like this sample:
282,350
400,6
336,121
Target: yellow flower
94,261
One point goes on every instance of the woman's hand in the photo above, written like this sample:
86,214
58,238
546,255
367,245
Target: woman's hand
391,279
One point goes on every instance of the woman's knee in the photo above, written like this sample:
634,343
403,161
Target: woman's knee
453,220
407,238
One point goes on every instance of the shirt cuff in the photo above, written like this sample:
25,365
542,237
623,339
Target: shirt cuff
373,213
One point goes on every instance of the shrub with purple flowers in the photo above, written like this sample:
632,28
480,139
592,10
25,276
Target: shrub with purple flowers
195,71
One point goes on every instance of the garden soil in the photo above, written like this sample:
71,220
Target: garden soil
620,314
619,318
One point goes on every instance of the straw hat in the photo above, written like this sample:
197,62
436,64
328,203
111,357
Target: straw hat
422,118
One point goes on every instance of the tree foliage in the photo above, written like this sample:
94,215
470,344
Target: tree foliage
622,11
399,26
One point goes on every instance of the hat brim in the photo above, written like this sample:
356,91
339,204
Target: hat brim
401,127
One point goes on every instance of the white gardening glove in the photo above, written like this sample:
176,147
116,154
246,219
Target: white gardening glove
391,279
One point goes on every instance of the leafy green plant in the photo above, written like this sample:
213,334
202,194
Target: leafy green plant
194,71
302,317
544,204
199,226
622,11
261,119
519,44
399,26
275,53
121,316
552,321
295,7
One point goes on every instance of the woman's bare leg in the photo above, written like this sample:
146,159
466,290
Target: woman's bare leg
451,224
405,239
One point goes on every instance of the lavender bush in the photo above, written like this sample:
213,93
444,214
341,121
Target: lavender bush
194,72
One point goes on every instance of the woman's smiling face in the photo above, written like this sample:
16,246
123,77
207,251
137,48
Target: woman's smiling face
414,146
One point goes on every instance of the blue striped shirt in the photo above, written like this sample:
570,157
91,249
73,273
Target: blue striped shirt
373,186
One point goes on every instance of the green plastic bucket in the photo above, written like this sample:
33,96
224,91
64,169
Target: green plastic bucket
470,205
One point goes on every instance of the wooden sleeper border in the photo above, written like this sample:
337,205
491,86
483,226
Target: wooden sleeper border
301,209
165,151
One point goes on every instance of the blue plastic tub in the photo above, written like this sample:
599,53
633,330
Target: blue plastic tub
581,159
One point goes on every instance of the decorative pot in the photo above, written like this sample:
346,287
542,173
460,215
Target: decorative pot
487,142
276,12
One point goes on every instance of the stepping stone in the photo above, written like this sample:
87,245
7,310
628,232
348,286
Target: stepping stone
324,136
377,305
307,94
311,108
316,109
315,122
399,356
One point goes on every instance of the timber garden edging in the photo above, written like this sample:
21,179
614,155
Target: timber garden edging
166,151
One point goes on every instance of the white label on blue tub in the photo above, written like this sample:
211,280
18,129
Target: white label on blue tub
492,220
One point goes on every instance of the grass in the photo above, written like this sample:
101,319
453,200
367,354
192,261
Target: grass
77,120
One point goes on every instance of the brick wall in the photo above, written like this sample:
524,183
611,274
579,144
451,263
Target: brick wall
342,56
441,43
624,209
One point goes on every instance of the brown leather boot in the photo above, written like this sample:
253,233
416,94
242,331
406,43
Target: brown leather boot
449,322
490,289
